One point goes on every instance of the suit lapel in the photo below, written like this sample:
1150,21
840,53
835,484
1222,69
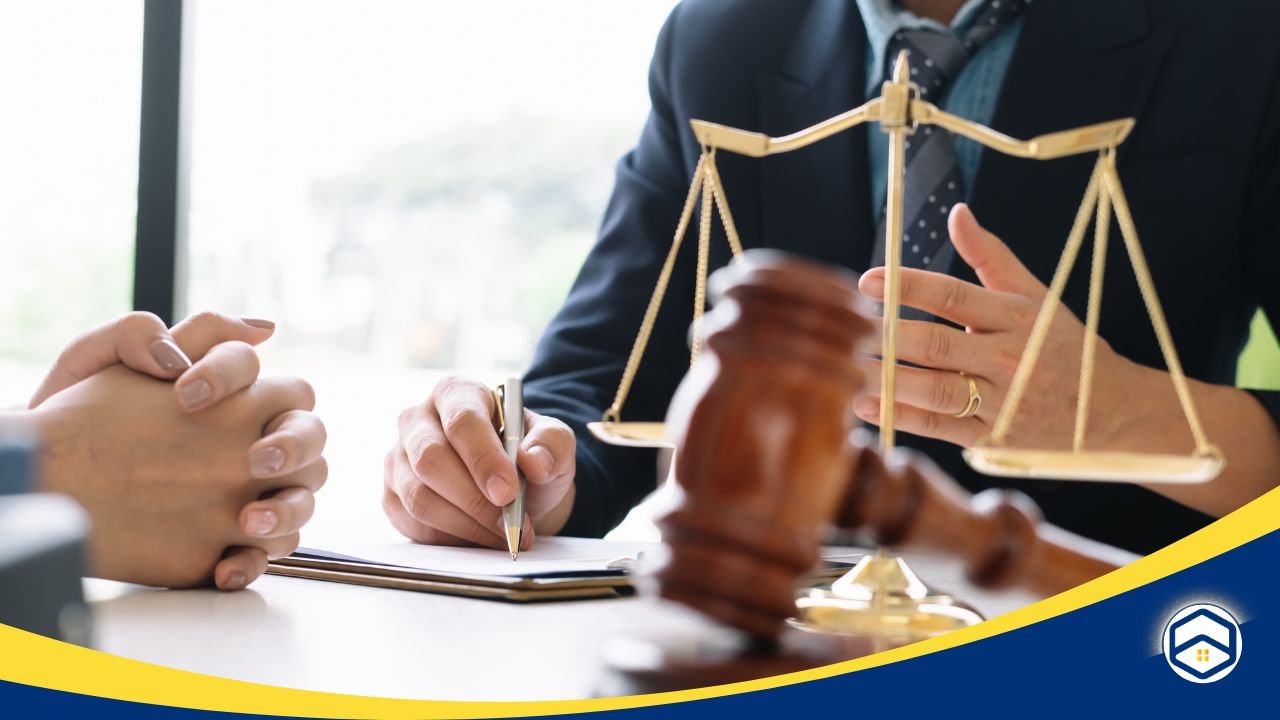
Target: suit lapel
1078,62
817,198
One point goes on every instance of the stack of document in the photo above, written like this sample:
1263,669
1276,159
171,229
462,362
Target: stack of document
556,568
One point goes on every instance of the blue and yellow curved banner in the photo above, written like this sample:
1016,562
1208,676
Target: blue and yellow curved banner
1127,644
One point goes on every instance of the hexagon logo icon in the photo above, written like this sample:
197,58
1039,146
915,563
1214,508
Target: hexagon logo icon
1202,643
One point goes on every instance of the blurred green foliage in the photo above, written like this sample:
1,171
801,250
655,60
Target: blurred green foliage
53,289
470,237
1260,362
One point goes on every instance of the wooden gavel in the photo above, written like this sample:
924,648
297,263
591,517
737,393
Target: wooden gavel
765,464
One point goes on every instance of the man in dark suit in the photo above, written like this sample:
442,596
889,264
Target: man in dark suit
1200,171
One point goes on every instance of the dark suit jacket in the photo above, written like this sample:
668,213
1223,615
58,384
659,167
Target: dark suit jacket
1200,171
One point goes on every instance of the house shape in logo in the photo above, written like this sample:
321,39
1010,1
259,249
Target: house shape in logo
1202,643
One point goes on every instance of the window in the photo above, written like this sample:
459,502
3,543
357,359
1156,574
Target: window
406,187
71,77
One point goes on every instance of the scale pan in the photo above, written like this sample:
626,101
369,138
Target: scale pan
631,434
1117,467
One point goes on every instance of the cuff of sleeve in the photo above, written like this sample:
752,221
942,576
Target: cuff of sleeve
587,517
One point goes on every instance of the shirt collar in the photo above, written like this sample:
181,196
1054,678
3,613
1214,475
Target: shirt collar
883,18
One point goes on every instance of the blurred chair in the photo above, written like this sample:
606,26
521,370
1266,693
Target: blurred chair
42,541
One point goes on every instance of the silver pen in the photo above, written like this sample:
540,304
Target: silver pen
512,434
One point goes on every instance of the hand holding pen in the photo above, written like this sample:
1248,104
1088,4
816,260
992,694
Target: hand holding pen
449,475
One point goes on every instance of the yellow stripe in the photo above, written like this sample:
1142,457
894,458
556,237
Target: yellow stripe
39,661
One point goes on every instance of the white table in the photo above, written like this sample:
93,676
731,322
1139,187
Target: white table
340,638
337,638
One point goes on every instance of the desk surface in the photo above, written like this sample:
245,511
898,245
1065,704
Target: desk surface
340,638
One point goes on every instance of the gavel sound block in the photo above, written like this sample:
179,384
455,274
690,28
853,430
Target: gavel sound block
765,467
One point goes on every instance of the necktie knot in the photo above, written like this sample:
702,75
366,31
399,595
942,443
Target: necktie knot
937,57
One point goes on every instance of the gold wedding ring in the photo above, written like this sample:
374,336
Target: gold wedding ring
975,398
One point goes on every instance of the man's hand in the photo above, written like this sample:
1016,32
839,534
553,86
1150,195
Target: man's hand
447,477
225,364
998,316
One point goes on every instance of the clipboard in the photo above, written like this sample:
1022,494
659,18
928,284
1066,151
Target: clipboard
595,584
508,589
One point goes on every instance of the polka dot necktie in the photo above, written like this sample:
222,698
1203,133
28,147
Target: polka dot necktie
933,182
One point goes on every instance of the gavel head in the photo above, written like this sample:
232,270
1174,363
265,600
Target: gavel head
761,425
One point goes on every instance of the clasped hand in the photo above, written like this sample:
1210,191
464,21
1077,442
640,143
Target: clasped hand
191,467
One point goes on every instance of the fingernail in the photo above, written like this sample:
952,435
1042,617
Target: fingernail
194,394
873,285
258,323
543,456
266,461
169,356
236,580
497,489
261,522
866,407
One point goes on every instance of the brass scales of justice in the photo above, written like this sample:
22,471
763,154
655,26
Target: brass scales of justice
881,597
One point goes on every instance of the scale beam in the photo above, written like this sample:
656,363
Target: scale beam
1093,138
752,144
1050,146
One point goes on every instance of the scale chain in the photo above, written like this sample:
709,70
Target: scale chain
707,187
614,413
1147,286
1040,330
704,258
1102,230
722,206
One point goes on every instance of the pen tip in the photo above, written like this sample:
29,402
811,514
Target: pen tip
513,541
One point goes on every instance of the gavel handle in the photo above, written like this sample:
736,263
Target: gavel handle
998,534
1016,548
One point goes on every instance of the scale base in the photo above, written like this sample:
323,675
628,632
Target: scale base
885,626
1111,467
883,601
878,605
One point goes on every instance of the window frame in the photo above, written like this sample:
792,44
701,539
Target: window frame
159,268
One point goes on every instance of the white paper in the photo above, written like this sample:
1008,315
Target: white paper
549,555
